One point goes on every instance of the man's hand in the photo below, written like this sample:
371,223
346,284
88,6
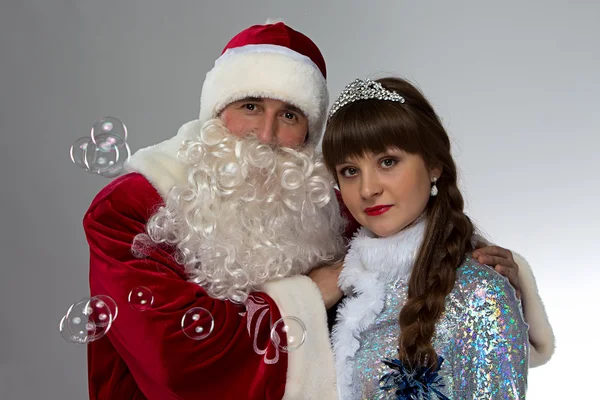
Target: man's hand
326,279
502,261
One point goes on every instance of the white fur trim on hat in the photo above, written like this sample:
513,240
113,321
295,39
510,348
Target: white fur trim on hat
269,71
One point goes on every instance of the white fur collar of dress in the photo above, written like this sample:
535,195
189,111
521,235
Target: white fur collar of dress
370,263
390,257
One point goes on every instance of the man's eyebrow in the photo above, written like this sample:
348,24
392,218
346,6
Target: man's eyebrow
250,99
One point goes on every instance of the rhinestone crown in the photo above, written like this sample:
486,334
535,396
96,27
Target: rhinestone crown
363,89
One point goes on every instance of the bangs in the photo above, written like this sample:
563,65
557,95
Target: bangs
369,126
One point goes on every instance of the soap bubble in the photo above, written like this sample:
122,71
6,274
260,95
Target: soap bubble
141,298
105,306
197,323
107,156
109,125
78,152
288,334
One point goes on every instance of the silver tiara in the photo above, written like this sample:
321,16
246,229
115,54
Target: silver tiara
364,89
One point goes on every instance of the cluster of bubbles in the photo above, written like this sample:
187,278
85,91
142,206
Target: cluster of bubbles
105,151
90,319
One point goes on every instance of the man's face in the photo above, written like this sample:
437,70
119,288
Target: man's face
273,122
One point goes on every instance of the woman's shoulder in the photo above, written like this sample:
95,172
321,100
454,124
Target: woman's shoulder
480,280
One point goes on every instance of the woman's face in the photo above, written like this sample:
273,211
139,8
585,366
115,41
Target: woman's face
386,192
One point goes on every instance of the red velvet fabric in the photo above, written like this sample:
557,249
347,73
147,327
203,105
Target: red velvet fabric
352,225
279,34
146,355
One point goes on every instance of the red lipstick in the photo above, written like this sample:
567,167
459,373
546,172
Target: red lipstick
377,210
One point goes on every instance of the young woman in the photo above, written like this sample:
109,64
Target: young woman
422,318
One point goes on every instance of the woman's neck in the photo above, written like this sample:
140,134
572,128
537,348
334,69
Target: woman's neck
420,218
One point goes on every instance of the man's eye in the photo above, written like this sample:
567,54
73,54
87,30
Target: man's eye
289,115
250,107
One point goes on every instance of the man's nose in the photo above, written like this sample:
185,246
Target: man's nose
266,132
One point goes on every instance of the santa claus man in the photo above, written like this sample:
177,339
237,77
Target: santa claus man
230,215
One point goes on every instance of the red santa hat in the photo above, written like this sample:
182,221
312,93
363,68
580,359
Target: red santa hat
272,61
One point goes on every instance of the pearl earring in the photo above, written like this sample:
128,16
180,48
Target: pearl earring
434,189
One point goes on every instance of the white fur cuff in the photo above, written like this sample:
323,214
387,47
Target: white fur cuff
310,372
541,336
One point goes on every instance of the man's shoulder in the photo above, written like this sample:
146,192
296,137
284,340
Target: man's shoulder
132,190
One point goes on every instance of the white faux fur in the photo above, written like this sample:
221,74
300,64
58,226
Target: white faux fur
310,373
370,263
541,335
267,73
391,257
264,48
159,163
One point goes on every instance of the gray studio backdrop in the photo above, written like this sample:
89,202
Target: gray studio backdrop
516,83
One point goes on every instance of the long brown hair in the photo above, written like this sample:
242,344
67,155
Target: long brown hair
373,126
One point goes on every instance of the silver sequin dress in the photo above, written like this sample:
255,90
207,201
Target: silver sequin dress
482,335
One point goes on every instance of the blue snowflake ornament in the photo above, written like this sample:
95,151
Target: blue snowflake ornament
413,384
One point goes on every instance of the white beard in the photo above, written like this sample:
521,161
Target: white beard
249,213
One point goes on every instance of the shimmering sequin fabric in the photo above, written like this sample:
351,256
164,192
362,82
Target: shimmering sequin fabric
482,337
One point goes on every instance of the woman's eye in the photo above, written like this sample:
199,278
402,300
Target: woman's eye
349,171
250,107
388,162
289,115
